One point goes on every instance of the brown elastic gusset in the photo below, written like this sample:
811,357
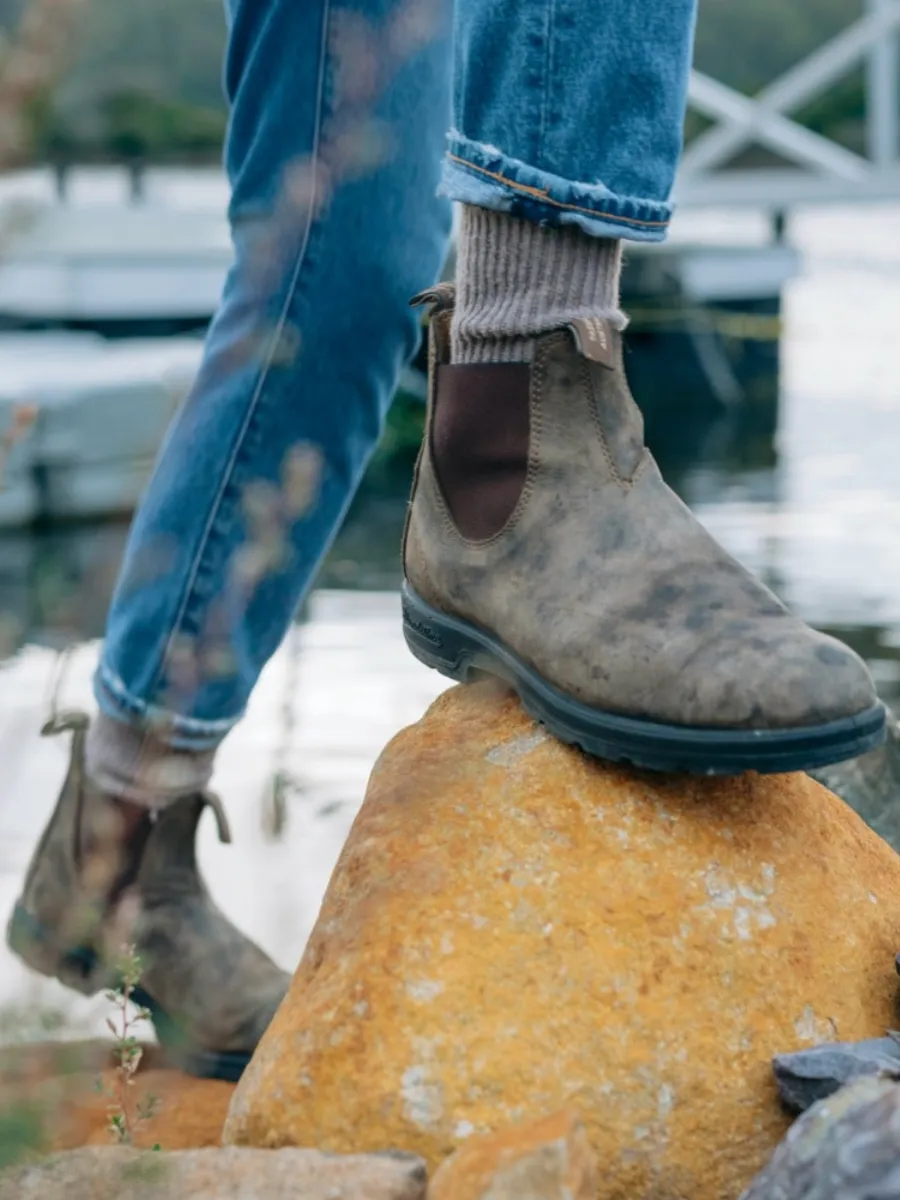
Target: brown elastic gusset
479,443
133,854
129,854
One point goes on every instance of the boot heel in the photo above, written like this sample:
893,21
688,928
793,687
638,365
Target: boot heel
181,1052
434,642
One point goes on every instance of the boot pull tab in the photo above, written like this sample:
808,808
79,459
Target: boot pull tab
439,298
70,720
597,339
211,800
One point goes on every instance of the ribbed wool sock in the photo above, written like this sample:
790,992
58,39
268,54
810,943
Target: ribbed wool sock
133,764
516,280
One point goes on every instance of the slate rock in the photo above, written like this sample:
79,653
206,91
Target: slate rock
844,1148
807,1076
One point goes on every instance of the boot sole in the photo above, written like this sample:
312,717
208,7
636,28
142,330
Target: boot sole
25,933
462,651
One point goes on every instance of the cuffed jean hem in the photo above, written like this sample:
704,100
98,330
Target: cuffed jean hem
174,729
477,174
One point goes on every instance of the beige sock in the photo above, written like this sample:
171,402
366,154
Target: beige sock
133,764
516,280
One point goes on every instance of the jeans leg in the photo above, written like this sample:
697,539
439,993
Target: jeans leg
334,157
571,111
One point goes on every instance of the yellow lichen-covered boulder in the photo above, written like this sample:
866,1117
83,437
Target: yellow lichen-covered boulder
513,928
550,1158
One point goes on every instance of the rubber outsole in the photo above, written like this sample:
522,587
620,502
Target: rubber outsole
24,929
462,651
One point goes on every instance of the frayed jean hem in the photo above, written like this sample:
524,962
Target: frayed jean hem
477,174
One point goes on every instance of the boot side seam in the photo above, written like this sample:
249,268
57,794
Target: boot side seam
418,480
59,816
642,466
625,482
420,568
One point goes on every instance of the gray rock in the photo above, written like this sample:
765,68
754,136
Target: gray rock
843,1148
232,1173
807,1076
870,784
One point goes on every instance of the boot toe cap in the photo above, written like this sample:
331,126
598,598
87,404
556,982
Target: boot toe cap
788,677
809,679
839,681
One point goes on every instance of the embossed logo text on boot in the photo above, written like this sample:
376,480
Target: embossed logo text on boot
424,630
595,339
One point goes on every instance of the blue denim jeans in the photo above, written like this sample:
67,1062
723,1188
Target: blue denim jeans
564,112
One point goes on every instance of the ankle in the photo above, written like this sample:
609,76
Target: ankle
141,770
517,280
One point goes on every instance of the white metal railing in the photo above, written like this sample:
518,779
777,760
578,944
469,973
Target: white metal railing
819,168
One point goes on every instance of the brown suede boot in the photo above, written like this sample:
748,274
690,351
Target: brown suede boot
542,546
92,886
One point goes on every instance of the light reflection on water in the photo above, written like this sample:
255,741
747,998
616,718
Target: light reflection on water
816,513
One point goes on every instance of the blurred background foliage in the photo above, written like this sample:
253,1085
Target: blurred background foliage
143,78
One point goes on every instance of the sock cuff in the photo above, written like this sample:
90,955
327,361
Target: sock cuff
517,280
132,763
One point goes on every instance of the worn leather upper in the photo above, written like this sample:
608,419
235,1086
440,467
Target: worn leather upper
606,583
221,986
215,982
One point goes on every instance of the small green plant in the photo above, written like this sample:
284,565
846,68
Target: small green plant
125,1115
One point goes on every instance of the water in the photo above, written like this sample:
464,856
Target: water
352,686
815,511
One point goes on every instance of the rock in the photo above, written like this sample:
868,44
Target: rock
871,784
807,1076
844,1148
513,928
190,1113
550,1159
230,1174
48,1094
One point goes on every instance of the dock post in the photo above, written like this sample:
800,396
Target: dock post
136,181
882,91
